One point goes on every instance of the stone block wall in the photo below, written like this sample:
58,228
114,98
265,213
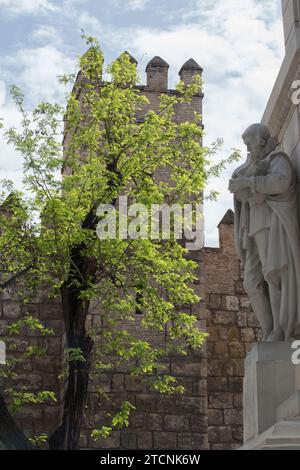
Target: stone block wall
210,413
232,329
35,373
159,421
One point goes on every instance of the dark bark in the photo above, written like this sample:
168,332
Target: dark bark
67,436
75,311
11,438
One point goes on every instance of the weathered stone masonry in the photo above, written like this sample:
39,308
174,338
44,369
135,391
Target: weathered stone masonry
36,373
232,329
160,422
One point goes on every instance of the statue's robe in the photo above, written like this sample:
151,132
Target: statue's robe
282,266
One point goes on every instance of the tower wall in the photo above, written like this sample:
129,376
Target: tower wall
160,421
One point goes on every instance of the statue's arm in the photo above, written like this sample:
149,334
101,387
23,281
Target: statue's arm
278,179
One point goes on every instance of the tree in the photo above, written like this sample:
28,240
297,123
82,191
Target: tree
50,236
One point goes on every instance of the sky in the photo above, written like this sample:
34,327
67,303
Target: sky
239,44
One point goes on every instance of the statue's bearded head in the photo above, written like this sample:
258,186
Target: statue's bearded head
256,138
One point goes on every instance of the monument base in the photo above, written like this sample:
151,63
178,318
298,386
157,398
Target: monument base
284,435
271,398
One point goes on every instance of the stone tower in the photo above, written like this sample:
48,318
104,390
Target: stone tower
160,422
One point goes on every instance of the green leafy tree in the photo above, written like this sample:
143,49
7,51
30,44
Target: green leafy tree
50,235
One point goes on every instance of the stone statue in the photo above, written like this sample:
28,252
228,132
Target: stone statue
267,234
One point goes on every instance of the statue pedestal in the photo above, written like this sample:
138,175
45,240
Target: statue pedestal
271,399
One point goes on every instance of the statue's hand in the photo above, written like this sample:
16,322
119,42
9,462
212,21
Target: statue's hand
236,184
244,195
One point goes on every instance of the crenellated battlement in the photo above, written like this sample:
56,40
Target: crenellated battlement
157,82
157,73
188,70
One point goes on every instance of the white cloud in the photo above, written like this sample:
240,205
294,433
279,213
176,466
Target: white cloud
10,160
37,72
28,6
90,24
48,34
73,3
132,4
2,93
137,4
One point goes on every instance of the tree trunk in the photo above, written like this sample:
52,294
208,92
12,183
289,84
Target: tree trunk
67,436
11,438
75,311
83,269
